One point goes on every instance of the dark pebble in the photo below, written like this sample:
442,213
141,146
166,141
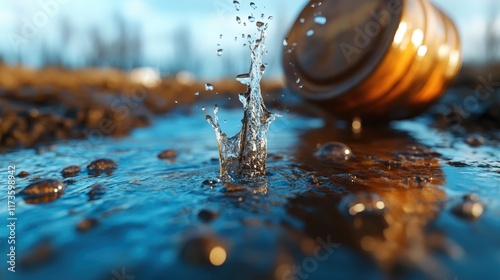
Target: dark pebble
23,174
196,250
70,171
207,216
44,188
96,191
69,182
209,183
87,224
42,253
167,154
103,165
475,140
457,164
469,208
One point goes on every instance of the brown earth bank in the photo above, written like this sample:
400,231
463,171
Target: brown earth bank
42,106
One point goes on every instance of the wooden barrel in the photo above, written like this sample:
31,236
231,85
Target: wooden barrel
378,60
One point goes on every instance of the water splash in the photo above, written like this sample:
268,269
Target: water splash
244,155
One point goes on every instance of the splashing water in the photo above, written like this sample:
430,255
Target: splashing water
244,155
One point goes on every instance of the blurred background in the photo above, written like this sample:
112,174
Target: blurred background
171,36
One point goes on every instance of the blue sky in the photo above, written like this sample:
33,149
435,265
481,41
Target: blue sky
206,20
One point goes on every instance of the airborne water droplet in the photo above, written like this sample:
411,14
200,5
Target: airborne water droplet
238,19
320,20
203,108
244,79
285,42
197,93
297,81
310,32
219,52
302,20
252,4
251,18
236,5
260,25
209,87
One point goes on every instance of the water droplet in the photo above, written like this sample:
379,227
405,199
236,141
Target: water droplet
297,81
260,25
207,216
302,20
44,188
99,166
270,18
252,4
167,154
203,108
220,36
244,79
176,101
220,52
70,171
310,32
333,151
285,42
197,93
238,19
320,20
243,99
209,183
209,87
251,18
469,208
236,5
262,68
86,224
23,174
96,192
475,140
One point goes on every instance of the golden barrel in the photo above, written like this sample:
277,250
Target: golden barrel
375,59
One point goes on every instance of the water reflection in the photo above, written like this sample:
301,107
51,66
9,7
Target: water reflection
379,202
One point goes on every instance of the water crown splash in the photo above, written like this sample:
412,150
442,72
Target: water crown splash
244,155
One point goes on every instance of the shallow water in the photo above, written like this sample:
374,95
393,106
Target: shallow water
159,219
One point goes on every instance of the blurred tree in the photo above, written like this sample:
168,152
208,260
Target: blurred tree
493,34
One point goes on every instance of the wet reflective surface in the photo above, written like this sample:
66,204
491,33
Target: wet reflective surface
394,207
